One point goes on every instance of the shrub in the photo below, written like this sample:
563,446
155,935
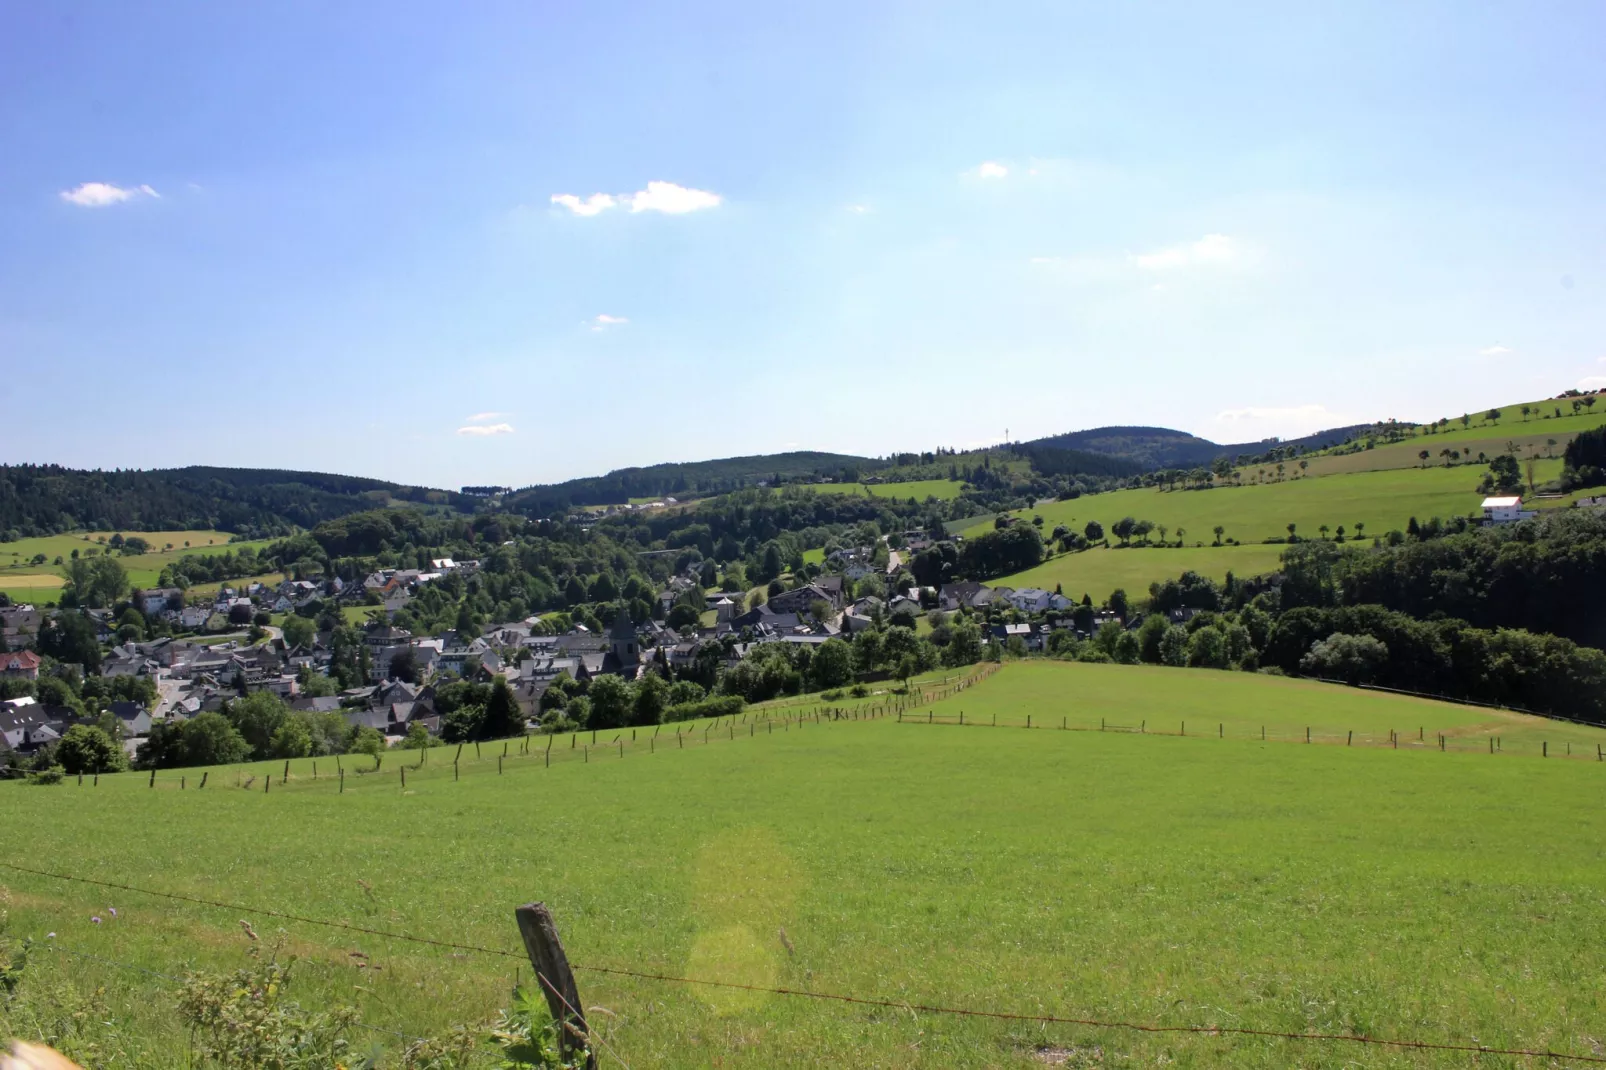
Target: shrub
51,775
717,706
858,691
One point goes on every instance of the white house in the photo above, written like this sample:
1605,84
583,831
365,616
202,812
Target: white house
1505,510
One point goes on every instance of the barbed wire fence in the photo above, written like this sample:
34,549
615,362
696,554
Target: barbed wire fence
1395,1043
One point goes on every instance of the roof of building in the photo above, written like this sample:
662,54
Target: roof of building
1502,503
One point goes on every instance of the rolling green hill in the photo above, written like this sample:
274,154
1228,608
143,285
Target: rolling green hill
1402,894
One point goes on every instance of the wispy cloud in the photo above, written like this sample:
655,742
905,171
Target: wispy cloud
992,169
1495,351
858,209
665,197
102,194
484,430
1210,249
592,205
603,321
484,417
1592,382
1286,421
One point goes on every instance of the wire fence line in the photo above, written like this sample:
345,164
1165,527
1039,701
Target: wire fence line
1442,741
845,998
625,739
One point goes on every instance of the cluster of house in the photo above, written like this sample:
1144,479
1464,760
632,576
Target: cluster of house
193,677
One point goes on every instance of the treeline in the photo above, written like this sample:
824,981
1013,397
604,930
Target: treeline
49,499
1544,575
1253,627
682,480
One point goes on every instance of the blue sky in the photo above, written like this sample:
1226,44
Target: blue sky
326,236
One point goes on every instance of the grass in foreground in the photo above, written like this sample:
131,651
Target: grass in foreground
1445,897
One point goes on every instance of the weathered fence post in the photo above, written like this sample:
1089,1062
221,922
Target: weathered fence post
153,778
342,790
1307,733
1350,742
182,781
403,769
203,779
552,973
284,778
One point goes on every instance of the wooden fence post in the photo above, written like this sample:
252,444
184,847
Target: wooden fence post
342,782
285,777
153,778
552,973
203,779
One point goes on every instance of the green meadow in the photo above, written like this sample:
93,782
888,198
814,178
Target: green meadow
1255,512
1448,897
919,489
24,581
1097,572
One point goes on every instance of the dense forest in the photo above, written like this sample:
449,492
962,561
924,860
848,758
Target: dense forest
49,499
1546,575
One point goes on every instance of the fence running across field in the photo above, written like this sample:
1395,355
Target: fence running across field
835,997
1442,741
541,751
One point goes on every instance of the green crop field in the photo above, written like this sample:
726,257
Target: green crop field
1098,572
919,489
1404,894
1254,512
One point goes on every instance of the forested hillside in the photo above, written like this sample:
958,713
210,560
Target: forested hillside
688,479
48,499
1163,447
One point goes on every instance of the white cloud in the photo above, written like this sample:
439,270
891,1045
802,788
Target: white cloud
603,321
483,430
1290,421
484,417
992,169
1210,249
1592,382
593,204
1495,351
666,197
101,194
858,209
672,199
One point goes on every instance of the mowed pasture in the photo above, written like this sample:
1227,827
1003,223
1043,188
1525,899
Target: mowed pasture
25,581
918,489
1402,894
1255,512
1097,572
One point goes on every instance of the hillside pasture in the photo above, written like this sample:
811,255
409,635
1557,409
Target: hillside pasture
1255,512
1401,894
1408,455
920,489
1099,571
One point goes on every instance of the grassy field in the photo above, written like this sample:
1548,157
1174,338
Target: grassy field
1254,512
1448,897
1098,572
24,581
1408,455
920,489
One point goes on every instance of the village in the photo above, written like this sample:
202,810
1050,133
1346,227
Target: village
193,672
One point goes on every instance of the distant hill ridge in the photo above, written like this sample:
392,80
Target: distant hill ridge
1164,447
